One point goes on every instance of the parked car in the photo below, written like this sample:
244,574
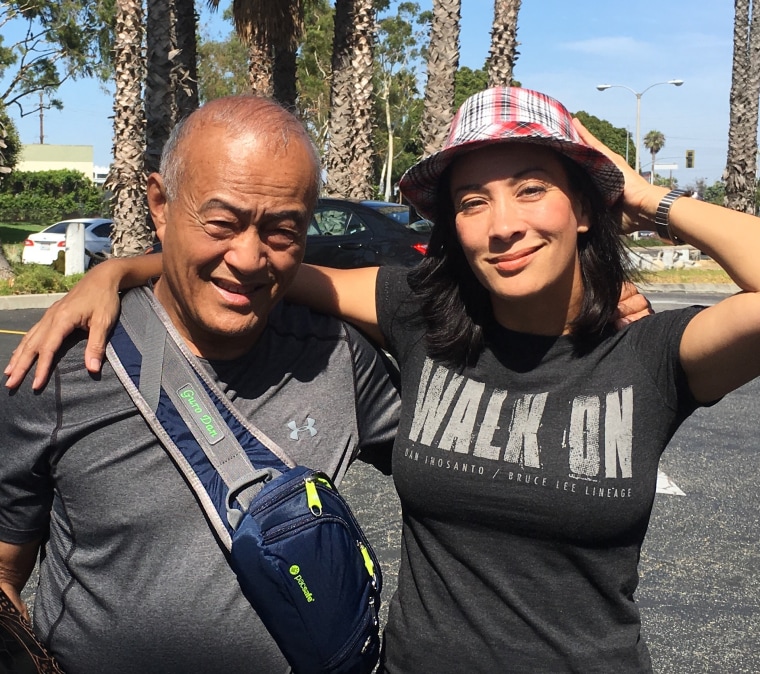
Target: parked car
401,213
43,247
347,234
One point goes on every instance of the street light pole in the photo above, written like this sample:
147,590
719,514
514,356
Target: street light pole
638,95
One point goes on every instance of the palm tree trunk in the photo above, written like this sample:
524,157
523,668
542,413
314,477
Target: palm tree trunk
503,54
6,272
260,63
272,30
442,64
741,163
349,154
127,177
186,60
284,76
159,95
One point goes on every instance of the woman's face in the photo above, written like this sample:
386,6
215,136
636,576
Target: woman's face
518,223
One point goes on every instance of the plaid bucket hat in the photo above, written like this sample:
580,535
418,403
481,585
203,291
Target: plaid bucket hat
508,114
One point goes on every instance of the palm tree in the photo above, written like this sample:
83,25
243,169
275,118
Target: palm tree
349,154
741,165
160,110
185,73
126,179
503,54
5,269
654,141
271,29
442,64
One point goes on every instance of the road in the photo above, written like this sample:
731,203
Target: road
700,587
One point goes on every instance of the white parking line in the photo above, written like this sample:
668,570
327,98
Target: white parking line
666,486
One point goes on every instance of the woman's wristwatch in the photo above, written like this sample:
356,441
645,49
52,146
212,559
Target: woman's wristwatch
661,218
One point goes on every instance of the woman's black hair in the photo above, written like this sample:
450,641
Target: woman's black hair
455,307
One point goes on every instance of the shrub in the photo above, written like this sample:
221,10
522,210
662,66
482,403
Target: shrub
44,197
37,279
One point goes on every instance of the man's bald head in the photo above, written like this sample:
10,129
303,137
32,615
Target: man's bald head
242,117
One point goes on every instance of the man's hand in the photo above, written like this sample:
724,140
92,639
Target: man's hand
632,306
16,564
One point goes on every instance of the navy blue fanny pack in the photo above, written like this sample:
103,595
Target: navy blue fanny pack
300,557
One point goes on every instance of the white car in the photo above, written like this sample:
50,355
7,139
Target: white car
43,247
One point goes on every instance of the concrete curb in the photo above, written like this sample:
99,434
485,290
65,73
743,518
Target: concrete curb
718,288
41,301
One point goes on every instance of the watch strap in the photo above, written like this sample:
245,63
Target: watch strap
662,216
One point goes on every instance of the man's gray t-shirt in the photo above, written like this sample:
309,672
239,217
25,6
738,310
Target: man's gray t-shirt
132,578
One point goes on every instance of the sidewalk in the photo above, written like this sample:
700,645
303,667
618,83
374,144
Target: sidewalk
45,300
41,301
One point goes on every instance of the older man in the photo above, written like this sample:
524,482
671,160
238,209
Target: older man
132,578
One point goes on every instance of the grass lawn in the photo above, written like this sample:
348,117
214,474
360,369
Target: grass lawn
689,275
16,232
12,235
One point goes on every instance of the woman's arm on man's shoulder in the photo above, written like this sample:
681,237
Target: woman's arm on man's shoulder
93,305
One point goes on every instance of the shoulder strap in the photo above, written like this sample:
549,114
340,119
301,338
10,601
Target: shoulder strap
224,458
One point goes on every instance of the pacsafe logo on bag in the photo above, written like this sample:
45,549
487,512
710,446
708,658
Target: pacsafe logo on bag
295,571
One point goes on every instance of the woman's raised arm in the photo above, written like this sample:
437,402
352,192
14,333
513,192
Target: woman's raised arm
720,346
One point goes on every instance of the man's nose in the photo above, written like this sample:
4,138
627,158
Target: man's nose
247,252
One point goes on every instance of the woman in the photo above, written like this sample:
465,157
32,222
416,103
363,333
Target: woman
526,457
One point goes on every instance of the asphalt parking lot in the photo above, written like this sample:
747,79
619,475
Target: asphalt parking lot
700,588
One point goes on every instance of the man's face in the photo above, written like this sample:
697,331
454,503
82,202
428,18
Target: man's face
233,237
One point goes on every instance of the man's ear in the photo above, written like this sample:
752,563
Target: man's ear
157,203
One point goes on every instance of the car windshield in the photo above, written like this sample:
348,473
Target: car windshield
398,212
57,228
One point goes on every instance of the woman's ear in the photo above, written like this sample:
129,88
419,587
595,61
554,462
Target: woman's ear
582,214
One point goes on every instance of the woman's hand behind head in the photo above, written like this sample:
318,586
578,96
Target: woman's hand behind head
636,187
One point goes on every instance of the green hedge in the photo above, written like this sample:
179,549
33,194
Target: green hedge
44,197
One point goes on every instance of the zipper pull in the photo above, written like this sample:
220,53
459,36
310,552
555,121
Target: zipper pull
368,563
312,498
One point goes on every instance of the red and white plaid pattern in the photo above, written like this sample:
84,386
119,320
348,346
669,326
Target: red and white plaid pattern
504,114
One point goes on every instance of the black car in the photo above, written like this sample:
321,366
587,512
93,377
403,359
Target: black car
348,234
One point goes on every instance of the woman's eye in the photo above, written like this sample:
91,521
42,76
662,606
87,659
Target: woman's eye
470,204
532,190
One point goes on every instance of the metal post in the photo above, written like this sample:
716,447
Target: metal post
639,94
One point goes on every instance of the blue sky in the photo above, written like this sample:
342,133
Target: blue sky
566,49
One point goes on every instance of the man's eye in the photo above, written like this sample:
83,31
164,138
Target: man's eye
281,236
220,227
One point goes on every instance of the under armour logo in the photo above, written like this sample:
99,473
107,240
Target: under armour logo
295,430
